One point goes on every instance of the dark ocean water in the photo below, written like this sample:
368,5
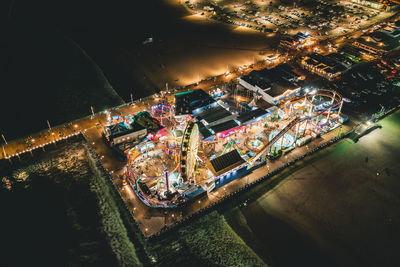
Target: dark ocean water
49,215
107,30
45,74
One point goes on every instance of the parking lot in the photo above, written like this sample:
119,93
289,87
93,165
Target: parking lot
320,18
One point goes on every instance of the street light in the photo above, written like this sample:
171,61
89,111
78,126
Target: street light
4,139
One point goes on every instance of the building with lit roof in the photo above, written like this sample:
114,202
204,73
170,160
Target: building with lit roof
273,85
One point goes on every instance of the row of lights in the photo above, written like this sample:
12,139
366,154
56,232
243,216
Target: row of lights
40,146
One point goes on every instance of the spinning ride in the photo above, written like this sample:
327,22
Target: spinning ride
162,112
321,106
324,100
140,178
324,106
254,144
286,141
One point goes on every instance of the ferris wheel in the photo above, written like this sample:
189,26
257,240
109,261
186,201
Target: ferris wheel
192,151
190,145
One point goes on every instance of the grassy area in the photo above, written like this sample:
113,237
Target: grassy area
112,224
207,241
223,246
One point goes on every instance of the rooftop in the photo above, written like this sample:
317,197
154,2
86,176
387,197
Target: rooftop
251,115
379,40
213,114
281,87
122,128
330,63
186,102
224,126
226,162
257,78
265,78
203,130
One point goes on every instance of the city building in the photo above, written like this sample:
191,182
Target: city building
255,81
273,85
216,120
152,125
385,5
295,41
301,36
251,116
192,101
228,167
288,42
392,29
328,66
132,128
352,53
379,42
371,4
224,163
123,132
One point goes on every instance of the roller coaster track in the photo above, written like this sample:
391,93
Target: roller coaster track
277,137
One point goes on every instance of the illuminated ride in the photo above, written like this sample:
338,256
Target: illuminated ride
168,188
254,144
325,107
316,111
189,149
324,100
286,141
139,180
322,105
281,134
163,113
